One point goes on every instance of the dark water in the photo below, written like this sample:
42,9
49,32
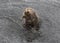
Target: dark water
11,30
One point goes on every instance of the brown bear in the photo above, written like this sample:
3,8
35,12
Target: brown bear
31,19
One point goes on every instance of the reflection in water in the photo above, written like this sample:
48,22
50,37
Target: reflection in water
31,34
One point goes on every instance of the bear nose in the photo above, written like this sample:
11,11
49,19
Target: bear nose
27,12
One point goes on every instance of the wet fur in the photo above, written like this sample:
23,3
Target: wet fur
31,19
